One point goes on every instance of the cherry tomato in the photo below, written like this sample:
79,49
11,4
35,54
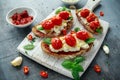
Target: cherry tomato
24,14
64,15
64,31
70,40
97,68
94,25
30,37
101,13
47,24
84,13
26,69
83,35
56,43
56,20
91,17
44,74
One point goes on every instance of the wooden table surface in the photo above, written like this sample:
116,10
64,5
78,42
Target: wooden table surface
10,38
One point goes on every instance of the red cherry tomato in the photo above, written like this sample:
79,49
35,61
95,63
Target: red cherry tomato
97,68
30,37
26,69
47,24
64,15
83,35
91,17
56,20
56,43
44,74
24,14
94,25
64,31
84,13
101,13
70,40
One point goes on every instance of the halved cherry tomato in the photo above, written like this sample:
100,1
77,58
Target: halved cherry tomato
47,24
101,13
64,31
94,25
70,40
64,15
91,17
44,74
56,20
83,35
30,37
97,68
26,69
56,43
84,13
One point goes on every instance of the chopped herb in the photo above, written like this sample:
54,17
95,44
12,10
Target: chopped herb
99,30
76,29
74,66
26,52
90,40
29,47
33,40
47,40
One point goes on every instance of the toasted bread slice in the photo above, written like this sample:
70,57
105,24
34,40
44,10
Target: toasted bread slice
62,54
52,34
86,25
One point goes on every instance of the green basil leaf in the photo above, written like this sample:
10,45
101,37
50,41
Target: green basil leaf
29,47
57,11
40,28
78,68
70,18
75,75
90,40
99,30
47,40
76,29
77,60
67,64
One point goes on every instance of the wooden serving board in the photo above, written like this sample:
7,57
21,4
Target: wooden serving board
55,64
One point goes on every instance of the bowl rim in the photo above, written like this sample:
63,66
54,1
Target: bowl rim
24,25
70,2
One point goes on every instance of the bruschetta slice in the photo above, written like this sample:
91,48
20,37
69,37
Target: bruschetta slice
57,25
89,20
68,46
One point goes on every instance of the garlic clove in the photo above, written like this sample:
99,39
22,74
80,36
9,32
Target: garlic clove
17,61
106,49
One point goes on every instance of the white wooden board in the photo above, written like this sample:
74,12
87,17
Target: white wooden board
55,64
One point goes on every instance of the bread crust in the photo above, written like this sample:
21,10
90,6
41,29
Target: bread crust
87,27
65,55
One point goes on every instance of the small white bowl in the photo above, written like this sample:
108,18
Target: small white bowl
30,11
70,2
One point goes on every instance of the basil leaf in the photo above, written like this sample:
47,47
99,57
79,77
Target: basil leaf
76,29
40,28
57,11
62,9
90,40
78,68
75,75
47,40
79,59
29,47
70,18
67,64
99,30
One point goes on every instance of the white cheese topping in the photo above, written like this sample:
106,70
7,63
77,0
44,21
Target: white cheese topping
67,48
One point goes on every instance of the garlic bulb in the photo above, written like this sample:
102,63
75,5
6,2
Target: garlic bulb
17,61
106,49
